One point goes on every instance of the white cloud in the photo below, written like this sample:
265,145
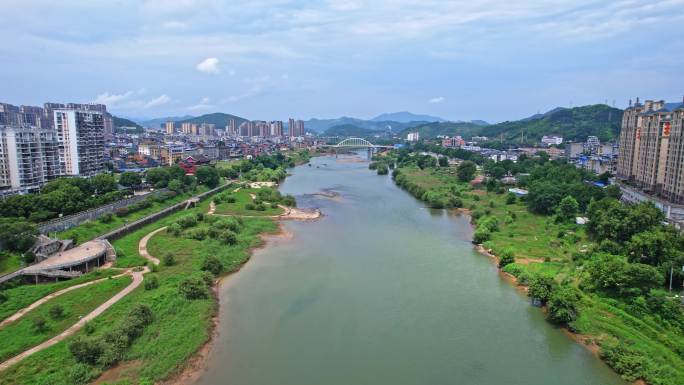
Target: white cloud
202,105
209,65
158,101
112,99
437,99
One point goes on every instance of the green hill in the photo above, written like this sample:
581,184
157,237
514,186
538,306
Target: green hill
349,130
220,119
123,122
574,124
432,130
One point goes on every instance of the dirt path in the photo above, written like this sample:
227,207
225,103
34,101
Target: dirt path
212,208
142,246
48,297
137,280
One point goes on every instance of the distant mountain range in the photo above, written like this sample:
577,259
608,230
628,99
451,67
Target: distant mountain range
406,117
220,119
123,122
158,122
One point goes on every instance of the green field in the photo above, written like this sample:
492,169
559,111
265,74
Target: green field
21,334
21,296
180,325
242,198
10,264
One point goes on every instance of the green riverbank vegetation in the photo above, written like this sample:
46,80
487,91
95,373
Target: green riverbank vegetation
150,334
607,281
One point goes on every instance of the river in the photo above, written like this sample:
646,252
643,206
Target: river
382,291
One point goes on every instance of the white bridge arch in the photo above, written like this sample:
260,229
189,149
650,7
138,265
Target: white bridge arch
350,143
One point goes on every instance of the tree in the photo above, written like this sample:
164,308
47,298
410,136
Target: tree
56,311
562,305
567,209
506,257
175,185
208,176
510,198
466,171
17,235
103,183
213,265
653,247
157,177
87,349
541,287
193,288
443,161
130,179
39,324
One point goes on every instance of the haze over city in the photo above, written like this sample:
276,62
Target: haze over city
490,60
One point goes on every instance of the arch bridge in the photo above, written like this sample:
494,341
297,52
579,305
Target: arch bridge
351,143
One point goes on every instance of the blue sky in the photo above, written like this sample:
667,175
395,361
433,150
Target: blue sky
271,59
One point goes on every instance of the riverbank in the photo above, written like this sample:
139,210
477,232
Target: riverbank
543,247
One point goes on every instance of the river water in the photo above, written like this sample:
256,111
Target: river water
382,291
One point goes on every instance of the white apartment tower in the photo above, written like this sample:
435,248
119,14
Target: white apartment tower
81,141
29,157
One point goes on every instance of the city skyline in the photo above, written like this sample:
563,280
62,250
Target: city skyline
272,59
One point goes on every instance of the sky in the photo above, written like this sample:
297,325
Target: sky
273,59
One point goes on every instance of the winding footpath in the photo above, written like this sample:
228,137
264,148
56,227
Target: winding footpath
137,275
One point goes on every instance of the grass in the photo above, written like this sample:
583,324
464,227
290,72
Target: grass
92,229
542,246
10,263
21,334
180,326
21,296
242,198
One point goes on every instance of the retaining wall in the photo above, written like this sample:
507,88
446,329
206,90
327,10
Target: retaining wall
73,220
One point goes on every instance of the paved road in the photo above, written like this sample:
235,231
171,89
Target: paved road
142,246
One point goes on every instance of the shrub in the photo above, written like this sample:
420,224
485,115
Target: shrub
489,223
481,235
274,205
39,324
187,221
79,374
3,297
230,199
169,260
174,229
510,198
193,288
106,217
506,257
151,282
199,217
87,349
249,206
213,265
623,359
199,234
208,278
228,237
89,328
56,311
289,201
260,207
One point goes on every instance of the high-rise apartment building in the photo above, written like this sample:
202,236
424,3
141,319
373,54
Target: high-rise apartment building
276,128
29,157
170,127
296,128
231,128
247,129
81,141
651,155
186,128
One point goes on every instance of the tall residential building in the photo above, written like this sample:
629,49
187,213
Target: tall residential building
276,128
262,129
186,128
296,128
169,127
651,154
231,129
29,157
81,141
247,129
